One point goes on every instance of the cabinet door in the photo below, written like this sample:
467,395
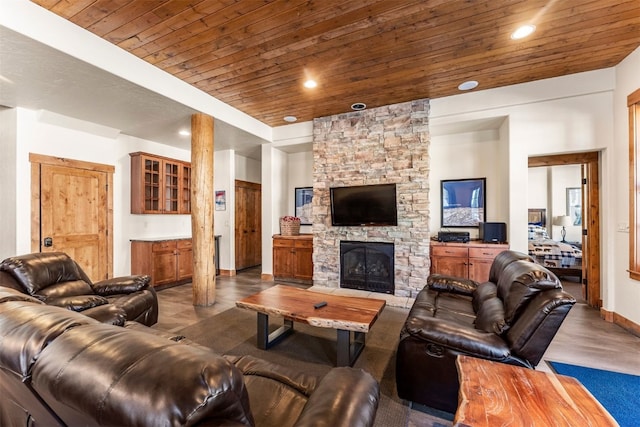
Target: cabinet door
304,263
163,263
479,269
185,259
172,186
451,266
283,261
185,191
146,182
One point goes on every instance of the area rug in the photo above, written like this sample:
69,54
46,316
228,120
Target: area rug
313,350
617,392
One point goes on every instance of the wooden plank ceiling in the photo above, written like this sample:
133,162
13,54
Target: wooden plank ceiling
255,55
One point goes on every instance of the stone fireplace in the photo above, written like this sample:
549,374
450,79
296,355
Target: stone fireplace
367,266
382,145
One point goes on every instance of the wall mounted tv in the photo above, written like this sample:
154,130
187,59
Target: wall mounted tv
364,205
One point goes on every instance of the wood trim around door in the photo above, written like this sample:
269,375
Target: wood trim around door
592,162
36,161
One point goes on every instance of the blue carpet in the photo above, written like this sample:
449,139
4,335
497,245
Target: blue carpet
617,392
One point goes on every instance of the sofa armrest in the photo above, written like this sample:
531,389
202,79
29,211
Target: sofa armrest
345,397
121,285
458,338
108,314
446,283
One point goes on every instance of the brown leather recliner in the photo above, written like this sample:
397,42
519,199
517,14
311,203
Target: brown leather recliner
512,318
56,279
61,368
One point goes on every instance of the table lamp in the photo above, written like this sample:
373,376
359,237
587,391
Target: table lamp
563,221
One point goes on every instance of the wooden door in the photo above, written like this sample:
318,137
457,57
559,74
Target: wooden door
590,217
72,212
248,230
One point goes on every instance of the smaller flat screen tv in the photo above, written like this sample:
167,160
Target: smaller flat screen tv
364,205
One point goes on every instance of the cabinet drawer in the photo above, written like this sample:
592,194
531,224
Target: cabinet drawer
283,243
449,251
184,244
303,244
484,252
163,246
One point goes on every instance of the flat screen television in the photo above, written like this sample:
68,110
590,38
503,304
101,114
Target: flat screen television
364,205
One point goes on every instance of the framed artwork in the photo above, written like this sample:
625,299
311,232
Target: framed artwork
221,200
463,202
574,205
538,217
303,198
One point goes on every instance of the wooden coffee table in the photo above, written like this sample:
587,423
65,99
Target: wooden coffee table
497,394
345,314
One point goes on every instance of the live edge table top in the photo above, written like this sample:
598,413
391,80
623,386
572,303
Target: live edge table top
341,312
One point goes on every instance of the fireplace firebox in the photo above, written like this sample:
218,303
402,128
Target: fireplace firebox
367,266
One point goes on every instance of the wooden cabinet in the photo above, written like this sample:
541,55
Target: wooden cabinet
469,260
293,257
159,185
167,261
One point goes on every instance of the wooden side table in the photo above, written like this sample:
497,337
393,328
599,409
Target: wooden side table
497,394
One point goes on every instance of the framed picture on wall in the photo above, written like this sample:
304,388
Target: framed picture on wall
538,217
574,205
463,202
303,198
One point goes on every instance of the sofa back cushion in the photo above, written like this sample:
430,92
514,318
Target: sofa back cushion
502,260
38,271
519,282
109,375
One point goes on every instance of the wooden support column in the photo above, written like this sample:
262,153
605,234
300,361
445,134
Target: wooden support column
202,202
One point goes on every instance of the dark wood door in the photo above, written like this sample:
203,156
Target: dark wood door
248,230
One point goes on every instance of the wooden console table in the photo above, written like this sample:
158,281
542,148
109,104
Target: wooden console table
497,394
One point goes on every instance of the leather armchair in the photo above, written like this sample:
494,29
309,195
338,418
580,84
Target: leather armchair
510,319
55,279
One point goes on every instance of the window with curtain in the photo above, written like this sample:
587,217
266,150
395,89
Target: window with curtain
633,103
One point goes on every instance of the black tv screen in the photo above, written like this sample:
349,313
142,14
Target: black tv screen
364,205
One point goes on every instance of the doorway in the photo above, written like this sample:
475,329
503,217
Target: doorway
248,230
72,212
590,193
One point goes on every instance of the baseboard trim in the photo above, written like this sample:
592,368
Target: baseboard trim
623,322
229,273
266,277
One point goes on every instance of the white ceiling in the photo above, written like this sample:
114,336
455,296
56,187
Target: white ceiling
38,77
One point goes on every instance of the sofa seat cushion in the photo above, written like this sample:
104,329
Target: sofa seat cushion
77,302
453,307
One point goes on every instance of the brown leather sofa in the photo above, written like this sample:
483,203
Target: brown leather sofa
61,368
512,318
55,279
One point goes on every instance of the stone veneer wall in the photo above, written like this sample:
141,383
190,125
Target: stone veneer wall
382,145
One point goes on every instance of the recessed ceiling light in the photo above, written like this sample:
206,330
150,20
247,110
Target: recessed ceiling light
310,84
358,106
468,85
184,132
522,32
290,119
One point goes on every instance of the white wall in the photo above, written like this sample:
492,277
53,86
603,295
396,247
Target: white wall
299,174
623,292
224,220
461,156
34,136
9,180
